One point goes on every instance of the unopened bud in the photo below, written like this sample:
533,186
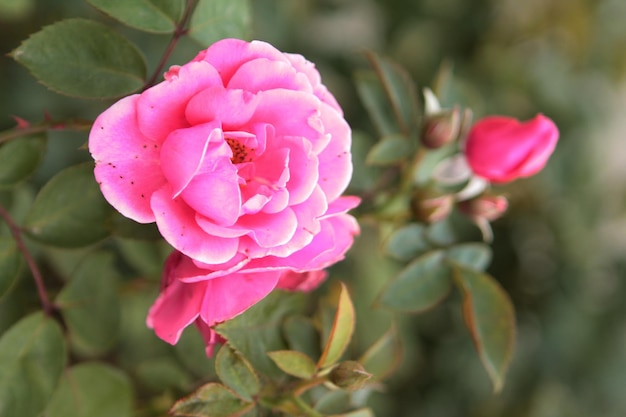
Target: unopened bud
431,209
441,128
349,375
487,207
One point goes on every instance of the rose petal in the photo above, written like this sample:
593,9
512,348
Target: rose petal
232,108
229,296
308,68
161,109
127,163
229,54
177,307
270,230
301,281
302,110
177,223
262,74
335,160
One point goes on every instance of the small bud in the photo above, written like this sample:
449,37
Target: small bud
486,207
432,208
349,375
21,123
441,128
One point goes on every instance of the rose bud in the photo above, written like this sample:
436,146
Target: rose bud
441,128
488,207
502,149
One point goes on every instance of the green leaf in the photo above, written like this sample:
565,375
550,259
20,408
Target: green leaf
372,94
391,150
421,285
301,335
90,305
146,257
475,255
32,358
236,373
69,211
341,331
258,330
211,400
158,16
333,402
82,58
490,318
213,20
162,374
16,9
384,356
293,363
19,158
400,91
441,233
124,227
94,390
362,412
10,262
407,242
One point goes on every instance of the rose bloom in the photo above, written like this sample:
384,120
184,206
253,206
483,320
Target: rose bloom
240,157
502,149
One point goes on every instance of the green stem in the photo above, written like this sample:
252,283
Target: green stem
46,125
48,307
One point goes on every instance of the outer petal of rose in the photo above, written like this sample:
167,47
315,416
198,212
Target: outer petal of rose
301,109
263,74
301,281
341,205
176,308
177,223
127,163
308,68
335,160
233,108
229,54
161,109
231,295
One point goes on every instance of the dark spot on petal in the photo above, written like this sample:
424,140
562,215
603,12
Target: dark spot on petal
143,196
132,183
145,146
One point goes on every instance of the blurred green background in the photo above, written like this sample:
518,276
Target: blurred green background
561,250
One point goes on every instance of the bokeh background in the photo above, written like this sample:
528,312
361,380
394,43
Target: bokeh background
561,250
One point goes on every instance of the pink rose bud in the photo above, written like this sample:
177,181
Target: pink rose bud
502,149
487,207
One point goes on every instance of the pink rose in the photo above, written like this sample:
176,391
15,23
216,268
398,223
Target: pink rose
502,149
206,296
239,153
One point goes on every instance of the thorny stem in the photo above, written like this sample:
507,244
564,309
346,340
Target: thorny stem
179,31
46,125
48,307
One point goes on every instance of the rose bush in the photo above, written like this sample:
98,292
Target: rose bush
502,149
240,157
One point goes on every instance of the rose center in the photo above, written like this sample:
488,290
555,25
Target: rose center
241,153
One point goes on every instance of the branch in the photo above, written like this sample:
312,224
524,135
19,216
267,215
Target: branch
179,32
46,125
48,307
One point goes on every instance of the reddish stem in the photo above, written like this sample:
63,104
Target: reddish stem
48,307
